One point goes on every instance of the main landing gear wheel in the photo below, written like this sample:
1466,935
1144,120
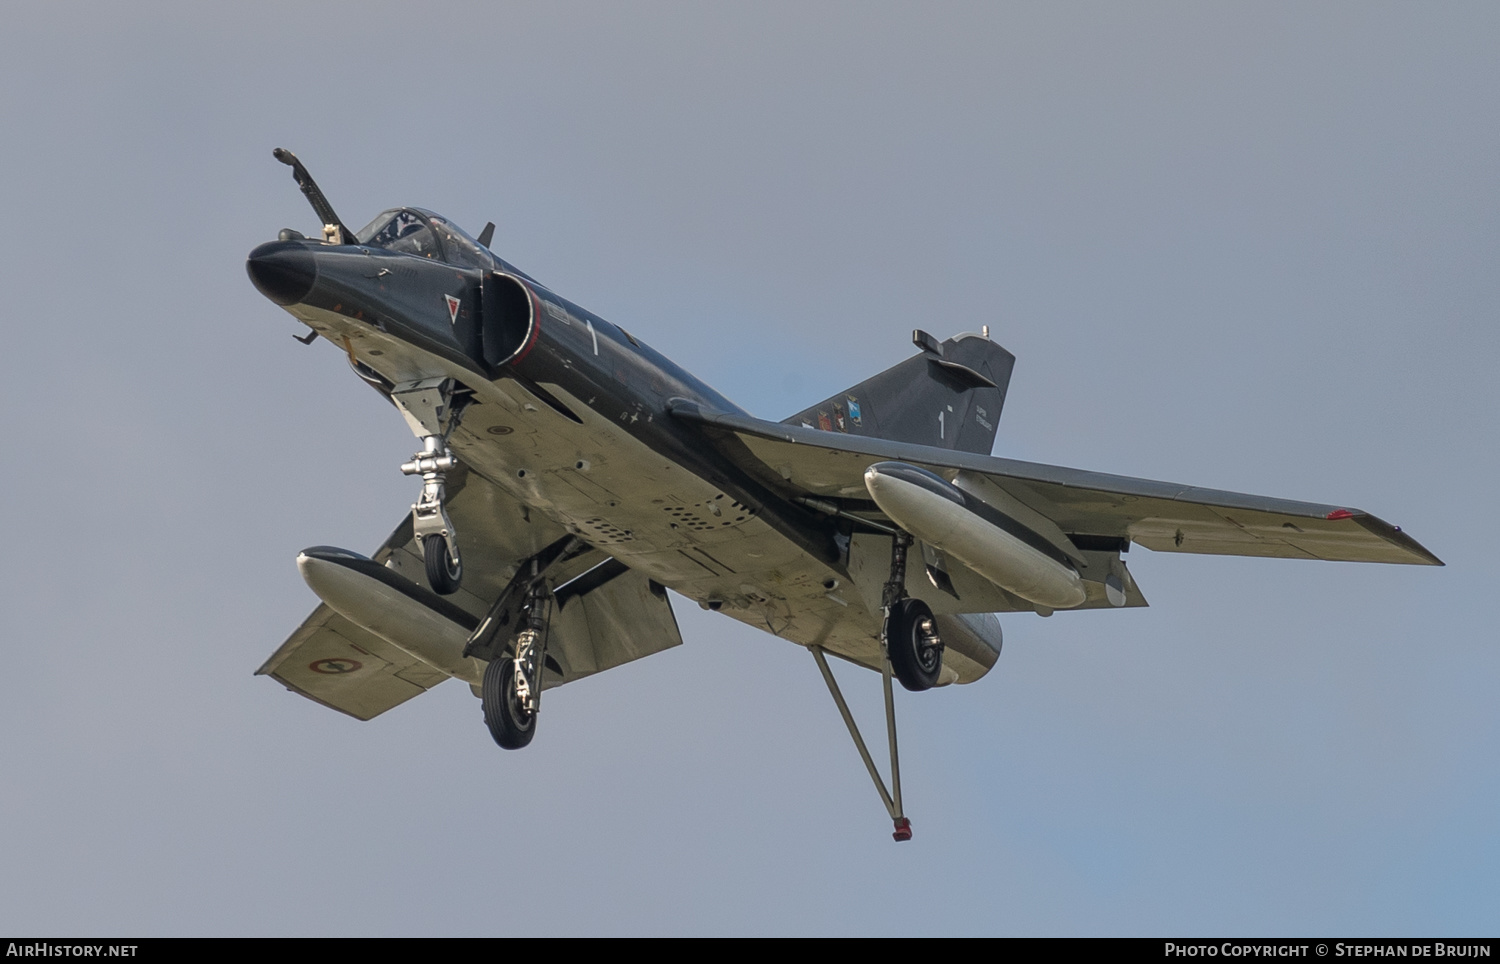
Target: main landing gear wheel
444,572
916,650
510,723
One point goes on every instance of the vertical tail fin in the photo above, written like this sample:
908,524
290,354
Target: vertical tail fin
949,396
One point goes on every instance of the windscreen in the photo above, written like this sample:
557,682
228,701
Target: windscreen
402,230
414,231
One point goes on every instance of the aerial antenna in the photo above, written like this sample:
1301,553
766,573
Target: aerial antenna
334,230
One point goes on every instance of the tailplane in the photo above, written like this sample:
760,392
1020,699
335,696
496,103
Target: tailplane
949,396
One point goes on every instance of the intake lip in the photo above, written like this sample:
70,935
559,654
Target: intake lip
283,271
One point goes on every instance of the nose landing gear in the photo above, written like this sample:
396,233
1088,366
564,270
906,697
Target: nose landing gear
429,520
432,408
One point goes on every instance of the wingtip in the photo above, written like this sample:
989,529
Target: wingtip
1395,536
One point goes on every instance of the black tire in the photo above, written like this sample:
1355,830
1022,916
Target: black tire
443,572
510,724
911,637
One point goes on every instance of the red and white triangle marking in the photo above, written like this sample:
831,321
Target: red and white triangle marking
453,304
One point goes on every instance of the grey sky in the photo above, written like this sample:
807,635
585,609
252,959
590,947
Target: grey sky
1244,246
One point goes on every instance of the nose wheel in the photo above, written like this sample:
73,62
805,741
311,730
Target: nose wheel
445,570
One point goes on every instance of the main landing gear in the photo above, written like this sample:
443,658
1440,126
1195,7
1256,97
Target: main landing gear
513,638
512,688
909,633
913,653
432,408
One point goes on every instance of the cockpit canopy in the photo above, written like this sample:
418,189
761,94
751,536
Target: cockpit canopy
426,235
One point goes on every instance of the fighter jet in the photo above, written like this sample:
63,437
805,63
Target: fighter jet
571,475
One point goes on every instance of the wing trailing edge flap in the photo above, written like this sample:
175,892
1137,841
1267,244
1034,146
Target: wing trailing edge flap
1087,506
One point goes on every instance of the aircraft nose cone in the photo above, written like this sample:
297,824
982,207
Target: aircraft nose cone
284,271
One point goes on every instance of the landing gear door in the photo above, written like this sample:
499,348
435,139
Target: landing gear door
621,618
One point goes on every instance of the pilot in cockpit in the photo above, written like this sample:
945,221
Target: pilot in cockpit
412,231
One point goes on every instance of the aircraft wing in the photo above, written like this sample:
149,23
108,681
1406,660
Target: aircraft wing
331,661
1164,516
605,615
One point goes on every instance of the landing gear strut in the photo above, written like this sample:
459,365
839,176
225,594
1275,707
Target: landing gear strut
432,408
909,633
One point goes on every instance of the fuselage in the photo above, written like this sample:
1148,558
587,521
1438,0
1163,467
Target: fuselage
571,416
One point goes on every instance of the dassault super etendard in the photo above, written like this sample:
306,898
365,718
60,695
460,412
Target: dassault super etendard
571,475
